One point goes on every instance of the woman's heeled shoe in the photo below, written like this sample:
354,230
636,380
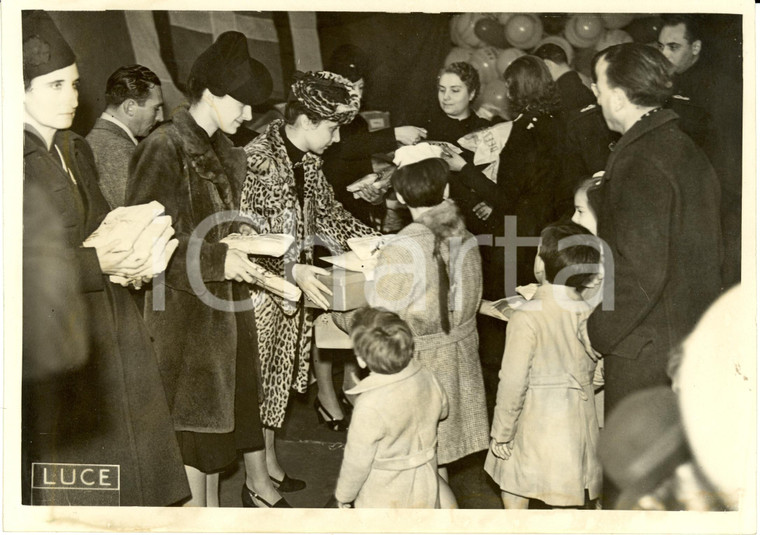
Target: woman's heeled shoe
288,484
345,403
326,418
248,497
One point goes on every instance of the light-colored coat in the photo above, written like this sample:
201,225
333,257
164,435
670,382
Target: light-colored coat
113,149
545,404
270,201
390,456
407,282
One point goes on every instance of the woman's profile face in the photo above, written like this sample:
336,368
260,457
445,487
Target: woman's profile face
51,99
231,113
453,96
319,136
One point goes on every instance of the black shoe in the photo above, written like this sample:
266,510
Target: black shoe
345,403
247,495
326,418
288,484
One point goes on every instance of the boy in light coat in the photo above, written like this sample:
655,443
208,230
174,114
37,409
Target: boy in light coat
390,457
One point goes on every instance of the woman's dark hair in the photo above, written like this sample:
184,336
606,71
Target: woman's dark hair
194,89
530,86
467,73
382,339
642,72
422,183
569,249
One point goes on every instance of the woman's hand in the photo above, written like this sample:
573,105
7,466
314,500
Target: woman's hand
370,194
483,210
121,263
409,135
503,450
455,161
238,267
305,277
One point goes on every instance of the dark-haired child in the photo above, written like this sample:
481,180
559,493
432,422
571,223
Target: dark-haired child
545,431
390,456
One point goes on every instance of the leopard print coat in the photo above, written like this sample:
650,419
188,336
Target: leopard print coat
269,201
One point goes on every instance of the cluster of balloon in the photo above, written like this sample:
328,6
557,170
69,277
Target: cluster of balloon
613,37
490,42
554,23
645,30
584,30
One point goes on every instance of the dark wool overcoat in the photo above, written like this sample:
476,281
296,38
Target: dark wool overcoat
112,408
658,211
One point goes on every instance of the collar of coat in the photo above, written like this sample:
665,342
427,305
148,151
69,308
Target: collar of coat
275,145
207,153
379,380
562,295
644,126
443,220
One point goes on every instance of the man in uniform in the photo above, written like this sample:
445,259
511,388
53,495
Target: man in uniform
709,103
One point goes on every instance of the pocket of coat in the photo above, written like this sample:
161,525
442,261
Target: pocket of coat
635,344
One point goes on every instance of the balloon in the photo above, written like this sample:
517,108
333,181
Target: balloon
491,32
493,97
583,30
484,60
611,38
458,54
645,30
503,18
553,23
523,30
506,57
613,21
559,41
464,26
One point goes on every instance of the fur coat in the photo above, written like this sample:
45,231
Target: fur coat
197,179
270,202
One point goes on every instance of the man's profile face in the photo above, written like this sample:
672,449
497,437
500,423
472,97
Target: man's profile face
605,96
147,115
677,49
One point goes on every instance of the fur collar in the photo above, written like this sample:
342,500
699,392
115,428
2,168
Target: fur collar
444,220
213,158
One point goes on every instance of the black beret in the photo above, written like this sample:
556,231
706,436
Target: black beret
44,48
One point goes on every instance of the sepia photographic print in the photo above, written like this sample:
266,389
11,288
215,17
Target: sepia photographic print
398,267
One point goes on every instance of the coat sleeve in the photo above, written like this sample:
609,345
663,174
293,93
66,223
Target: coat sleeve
158,172
519,352
399,277
335,224
364,435
361,144
643,210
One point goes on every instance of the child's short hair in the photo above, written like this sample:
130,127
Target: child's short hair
422,183
588,184
571,258
382,339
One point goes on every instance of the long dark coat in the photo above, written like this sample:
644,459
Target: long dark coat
658,210
112,409
527,186
194,177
